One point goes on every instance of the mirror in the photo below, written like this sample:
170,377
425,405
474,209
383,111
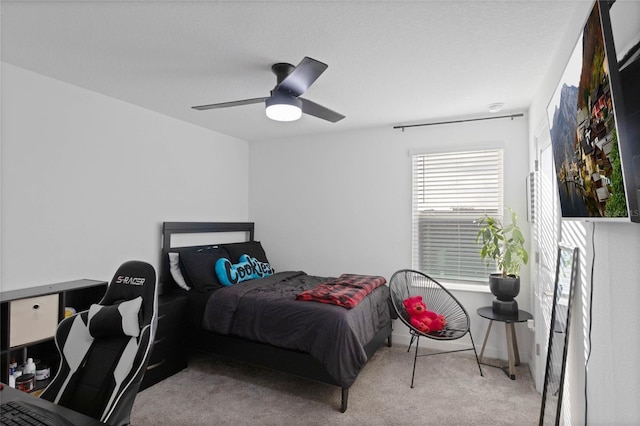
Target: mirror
566,277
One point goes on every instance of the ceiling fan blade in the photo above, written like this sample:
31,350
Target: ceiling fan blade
319,111
230,104
302,76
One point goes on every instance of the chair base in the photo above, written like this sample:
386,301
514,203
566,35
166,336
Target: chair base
416,337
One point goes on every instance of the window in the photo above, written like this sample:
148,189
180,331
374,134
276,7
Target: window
451,191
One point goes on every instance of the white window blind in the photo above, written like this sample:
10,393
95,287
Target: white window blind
450,192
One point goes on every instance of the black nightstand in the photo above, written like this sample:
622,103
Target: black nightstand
169,354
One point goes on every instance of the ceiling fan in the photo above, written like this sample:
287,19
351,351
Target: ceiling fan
285,103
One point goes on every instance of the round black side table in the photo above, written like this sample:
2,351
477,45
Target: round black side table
512,342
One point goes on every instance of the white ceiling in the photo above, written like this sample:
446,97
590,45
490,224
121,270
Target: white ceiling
390,62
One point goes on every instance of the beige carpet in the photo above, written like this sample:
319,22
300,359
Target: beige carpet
448,391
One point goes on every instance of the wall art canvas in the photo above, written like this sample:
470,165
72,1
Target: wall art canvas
584,135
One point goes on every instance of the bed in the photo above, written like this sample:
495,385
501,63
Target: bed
262,317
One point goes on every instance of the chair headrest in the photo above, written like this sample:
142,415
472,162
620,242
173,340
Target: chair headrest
132,279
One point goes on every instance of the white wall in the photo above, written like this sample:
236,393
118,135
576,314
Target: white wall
341,203
613,377
87,180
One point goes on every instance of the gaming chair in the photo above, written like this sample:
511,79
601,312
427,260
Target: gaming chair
104,351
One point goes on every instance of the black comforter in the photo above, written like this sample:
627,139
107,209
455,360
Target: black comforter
265,310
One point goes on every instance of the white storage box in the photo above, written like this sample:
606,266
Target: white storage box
32,319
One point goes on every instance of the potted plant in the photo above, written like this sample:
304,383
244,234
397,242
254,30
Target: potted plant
505,246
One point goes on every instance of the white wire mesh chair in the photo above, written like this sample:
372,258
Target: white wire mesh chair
406,283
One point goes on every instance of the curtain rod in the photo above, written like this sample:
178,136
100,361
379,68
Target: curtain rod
404,126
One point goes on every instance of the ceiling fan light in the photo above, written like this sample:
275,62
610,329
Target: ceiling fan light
284,108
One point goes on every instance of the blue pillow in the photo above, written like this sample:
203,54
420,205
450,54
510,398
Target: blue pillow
248,268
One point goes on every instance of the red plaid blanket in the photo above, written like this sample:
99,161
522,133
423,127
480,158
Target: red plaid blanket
347,290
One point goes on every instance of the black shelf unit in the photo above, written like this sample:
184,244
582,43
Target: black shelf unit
78,294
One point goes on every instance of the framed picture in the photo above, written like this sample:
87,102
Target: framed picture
584,131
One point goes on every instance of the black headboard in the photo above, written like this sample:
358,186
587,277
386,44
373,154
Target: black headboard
171,228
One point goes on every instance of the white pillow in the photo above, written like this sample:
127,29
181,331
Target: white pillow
174,268
115,320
